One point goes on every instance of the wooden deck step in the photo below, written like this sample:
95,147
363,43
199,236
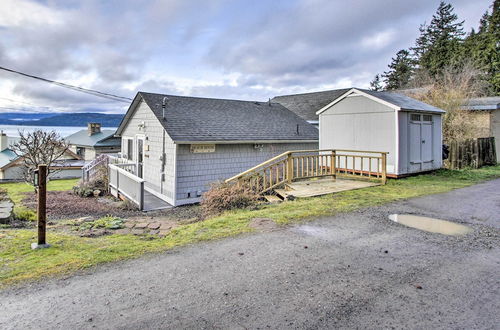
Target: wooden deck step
320,187
282,193
273,199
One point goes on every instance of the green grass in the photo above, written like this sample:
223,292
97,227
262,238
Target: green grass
16,191
70,253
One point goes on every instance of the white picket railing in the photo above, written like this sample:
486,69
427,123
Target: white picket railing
124,182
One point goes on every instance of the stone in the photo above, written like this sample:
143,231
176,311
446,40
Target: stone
123,231
129,224
154,225
154,232
136,231
36,246
166,226
141,225
97,193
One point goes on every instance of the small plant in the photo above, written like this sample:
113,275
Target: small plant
223,196
107,222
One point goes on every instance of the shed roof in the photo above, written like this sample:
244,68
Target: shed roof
306,105
6,157
403,101
196,119
483,103
103,139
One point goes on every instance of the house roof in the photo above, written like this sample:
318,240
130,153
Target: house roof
103,139
305,105
6,157
482,103
308,104
195,119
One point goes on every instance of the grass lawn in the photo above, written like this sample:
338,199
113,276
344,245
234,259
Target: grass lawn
70,253
16,191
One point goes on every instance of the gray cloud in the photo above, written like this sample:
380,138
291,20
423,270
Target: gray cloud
268,48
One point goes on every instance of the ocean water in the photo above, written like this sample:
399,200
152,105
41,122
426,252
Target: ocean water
12,131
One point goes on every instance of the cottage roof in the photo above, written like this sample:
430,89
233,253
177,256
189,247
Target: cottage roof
403,101
6,157
305,105
196,119
103,139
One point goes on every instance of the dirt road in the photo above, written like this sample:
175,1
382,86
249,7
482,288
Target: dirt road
356,270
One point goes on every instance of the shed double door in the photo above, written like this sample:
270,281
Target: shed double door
420,142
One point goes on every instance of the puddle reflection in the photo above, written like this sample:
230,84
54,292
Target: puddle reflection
430,224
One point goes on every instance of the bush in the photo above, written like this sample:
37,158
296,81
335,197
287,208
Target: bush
107,222
222,197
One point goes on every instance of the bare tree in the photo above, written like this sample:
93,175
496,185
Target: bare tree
39,147
450,91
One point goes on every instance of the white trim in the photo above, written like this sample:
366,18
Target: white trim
160,196
396,151
175,175
246,142
358,92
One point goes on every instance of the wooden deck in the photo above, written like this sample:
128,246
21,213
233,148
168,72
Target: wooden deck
323,186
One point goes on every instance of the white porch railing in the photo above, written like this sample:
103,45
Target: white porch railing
124,182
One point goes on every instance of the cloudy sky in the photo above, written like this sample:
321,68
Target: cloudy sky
245,49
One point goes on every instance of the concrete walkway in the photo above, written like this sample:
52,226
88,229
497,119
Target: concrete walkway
356,270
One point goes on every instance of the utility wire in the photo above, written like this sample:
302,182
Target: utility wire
72,87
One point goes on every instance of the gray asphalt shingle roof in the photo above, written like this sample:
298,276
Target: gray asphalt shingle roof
194,119
306,105
483,103
103,139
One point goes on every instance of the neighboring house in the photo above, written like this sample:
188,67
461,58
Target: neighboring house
69,166
181,145
487,113
375,121
91,142
305,105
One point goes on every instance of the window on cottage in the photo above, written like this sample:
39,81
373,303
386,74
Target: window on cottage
130,149
80,151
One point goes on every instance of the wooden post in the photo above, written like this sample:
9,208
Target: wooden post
332,165
289,164
384,168
41,208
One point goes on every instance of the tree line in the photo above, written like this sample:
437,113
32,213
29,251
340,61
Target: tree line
444,48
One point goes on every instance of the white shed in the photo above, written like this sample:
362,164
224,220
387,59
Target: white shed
409,130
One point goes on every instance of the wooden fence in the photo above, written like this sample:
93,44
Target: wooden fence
473,153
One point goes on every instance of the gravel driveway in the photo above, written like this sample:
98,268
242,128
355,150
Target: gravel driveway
356,270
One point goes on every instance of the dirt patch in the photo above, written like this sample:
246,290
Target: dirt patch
263,224
66,205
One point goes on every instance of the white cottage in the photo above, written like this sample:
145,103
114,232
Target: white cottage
409,130
174,147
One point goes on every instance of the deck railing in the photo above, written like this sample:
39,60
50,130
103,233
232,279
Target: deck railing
123,181
303,164
91,170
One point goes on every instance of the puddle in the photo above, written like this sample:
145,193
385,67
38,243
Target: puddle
430,224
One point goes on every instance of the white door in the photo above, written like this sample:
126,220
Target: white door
420,142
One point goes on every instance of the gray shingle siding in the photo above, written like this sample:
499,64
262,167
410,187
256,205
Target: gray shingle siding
196,171
152,162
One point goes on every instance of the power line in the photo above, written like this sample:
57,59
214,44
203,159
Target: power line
72,87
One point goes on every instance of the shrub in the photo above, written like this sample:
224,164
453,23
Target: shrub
108,222
223,196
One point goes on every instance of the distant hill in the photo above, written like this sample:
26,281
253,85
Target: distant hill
60,119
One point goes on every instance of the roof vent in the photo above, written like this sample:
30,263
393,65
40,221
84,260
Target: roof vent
163,105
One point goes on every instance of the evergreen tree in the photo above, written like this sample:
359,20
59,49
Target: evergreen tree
376,83
400,71
439,42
